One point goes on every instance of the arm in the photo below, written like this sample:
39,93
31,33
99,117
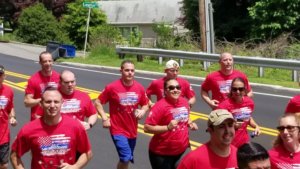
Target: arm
16,161
192,125
192,101
212,103
82,161
157,129
12,117
101,112
254,125
29,101
92,120
139,113
250,93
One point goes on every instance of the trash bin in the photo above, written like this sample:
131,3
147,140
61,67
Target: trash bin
52,46
71,50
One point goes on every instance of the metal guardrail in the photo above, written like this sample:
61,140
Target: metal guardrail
259,62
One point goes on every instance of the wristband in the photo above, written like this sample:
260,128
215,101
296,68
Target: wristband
90,125
13,117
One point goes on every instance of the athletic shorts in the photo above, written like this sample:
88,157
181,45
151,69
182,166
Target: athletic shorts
125,147
4,152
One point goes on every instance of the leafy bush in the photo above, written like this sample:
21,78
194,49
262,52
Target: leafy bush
105,35
37,25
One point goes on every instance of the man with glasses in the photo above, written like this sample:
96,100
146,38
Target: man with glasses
286,148
38,82
172,71
76,104
124,97
7,116
219,82
218,151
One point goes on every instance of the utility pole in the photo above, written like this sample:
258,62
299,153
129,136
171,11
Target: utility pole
202,22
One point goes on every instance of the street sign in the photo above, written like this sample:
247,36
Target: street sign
90,5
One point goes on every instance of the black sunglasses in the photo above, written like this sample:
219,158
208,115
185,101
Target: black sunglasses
289,128
170,88
235,89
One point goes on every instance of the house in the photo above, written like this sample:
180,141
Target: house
132,15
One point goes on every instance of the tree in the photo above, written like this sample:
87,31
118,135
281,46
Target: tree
38,25
274,17
74,22
231,19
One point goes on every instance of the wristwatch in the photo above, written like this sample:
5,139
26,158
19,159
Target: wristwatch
90,125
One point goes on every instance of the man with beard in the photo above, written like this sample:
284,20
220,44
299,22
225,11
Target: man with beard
218,151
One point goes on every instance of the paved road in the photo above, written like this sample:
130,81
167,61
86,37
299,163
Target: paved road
270,103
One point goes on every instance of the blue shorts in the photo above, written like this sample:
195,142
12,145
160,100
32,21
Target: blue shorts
4,152
125,147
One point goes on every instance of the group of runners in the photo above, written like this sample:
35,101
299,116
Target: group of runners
61,114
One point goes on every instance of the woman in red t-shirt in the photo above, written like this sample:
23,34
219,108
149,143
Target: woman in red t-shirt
241,107
169,120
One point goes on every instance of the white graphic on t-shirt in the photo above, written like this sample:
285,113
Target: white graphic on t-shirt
54,145
70,106
3,102
43,86
128,98
181,114
224,86
287,166
243,113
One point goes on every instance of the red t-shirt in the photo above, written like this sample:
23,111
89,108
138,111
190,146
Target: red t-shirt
156,87
204,157
220,84
123,100
293,105
36,86
52,145
78,105
172,142
282,159
240,111
6,105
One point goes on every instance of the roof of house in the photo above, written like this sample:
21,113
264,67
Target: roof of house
141,11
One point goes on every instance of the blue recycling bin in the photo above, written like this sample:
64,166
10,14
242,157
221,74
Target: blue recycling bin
71,50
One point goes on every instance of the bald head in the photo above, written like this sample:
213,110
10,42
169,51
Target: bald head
67,82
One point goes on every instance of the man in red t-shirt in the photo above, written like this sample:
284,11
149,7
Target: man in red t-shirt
218,151
76,104
156,86
219,82
38,82
7,116
54,141
124,97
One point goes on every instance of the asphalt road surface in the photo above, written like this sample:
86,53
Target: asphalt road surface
269,101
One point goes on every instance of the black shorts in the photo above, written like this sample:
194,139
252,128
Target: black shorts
163,161
4,152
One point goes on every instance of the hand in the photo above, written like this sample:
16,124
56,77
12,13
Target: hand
13,121
193,126
106,123
139,113
67,166
85,125
214,104
257,131
173,124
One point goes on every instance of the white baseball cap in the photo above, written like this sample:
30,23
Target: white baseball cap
172,64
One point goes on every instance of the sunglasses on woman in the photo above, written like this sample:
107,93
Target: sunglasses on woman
171,87
235,89
289,128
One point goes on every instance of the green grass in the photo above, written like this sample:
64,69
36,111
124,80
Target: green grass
107,57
